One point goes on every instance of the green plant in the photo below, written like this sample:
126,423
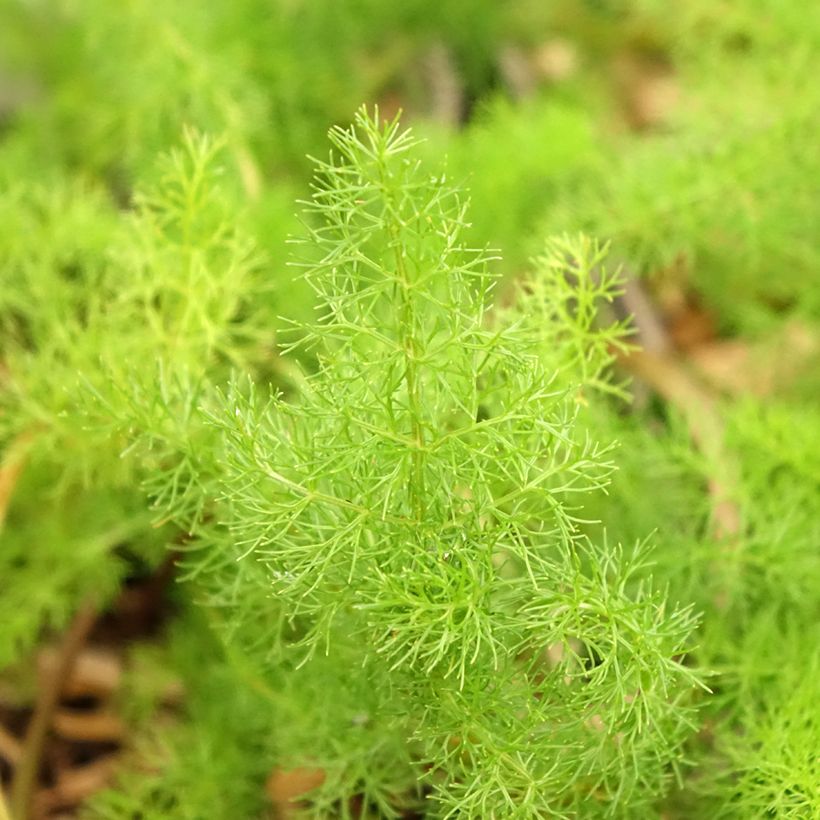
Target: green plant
377,645
92,298
408,525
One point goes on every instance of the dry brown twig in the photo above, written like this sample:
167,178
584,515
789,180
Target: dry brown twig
101,726
75,785
660,368
667,375
445,85
286,787
97,671
10,748
4,811
25,775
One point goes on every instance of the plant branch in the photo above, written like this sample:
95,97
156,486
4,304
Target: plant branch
4,810
25,775
10,748
668,377
657,366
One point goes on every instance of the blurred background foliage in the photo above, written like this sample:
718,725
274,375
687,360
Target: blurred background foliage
684,133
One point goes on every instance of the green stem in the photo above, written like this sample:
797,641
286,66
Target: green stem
410,347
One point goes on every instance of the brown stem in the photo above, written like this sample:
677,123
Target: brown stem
650,327
25,776
10,748
4,811
657,366
668,377
446,87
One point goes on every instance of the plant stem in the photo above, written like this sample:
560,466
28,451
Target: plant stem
9,746
25,776
669,379
410,347
411,379
4,810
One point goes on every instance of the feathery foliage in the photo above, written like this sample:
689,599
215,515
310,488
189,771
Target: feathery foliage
419,593
414,512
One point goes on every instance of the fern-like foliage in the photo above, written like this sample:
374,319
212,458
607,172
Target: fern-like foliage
91,299
414,513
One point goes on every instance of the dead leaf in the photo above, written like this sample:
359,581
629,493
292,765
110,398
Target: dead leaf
691,326
649,90
10,748
97,672
285,787
556,60
75,785
762,368
102,726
